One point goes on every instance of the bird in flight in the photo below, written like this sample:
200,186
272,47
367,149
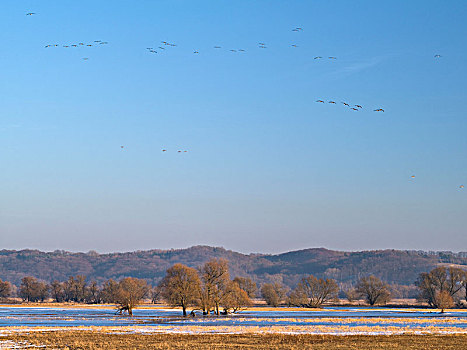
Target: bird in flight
293,45
461,186
195,51
379,110
85,58
345,104
317,57
121,146
358,106
320,101
332,102
437,56
412,177
355,109
233,50
298,29
30,13
332,58
241,50
217,47
164,150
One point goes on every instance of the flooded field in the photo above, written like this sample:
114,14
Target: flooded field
336,321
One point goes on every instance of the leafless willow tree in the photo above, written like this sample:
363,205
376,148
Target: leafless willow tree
247,285
181,286
234,298
274,293
5,289
130,293
373,290
313,292
450,280
215,278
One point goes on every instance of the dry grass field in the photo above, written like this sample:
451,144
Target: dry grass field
84,340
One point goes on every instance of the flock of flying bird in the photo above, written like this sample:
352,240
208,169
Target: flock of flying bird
165,45
354,107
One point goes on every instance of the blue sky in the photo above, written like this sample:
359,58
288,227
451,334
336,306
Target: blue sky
267,169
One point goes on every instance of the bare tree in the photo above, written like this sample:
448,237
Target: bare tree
273,293
33,290
313,292
155,294
215,277
443,300
440,279
93,294
181,286
131,292
56,289
109,292
373,290
5,289
75,288
234,298
247,285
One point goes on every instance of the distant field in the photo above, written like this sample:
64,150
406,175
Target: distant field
93,340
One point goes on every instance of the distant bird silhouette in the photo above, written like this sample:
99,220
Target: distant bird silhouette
379,110
461,186
85,58
437,56
195,51
121,146
217,47
30,13
332,102
412,177
345,104
358,106
317,57
332,58
355,109
293,45
164,150
320,101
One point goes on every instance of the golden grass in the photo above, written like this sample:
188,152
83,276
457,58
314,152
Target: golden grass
88,340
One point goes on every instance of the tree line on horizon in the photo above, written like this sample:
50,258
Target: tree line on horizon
209,289
397,268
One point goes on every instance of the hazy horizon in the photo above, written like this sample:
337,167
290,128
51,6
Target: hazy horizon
267,168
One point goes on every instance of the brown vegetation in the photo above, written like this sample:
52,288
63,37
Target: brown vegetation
73,340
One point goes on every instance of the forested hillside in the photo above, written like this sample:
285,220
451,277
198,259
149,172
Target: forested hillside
393,266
